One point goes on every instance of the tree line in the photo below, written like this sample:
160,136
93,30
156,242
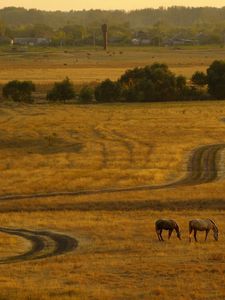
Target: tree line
153,83
207,24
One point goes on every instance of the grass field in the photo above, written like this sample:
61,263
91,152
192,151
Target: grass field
53,148
44,66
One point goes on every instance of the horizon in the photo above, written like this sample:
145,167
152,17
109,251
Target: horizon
115,5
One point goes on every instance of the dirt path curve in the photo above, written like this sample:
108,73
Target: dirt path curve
44,244
202,168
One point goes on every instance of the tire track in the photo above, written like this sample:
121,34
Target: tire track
45,244
202,168
127,145
135,141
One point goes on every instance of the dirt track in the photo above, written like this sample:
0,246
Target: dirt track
44,244
202,168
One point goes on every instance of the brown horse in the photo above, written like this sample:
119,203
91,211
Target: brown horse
203,225
169,225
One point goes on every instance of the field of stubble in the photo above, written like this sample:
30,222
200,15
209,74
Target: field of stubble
45,66
102,244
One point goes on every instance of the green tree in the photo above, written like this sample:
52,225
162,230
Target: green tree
86,94
19,91
151,83
107,91
216,79
62,91
199,78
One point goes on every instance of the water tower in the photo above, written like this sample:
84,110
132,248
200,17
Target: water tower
105,35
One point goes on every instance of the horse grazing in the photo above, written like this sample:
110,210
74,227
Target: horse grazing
169,225
203,225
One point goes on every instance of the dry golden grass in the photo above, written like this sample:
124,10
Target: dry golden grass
65,147
85,65
75,147
118,257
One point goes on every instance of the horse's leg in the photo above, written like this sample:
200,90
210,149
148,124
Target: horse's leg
169,234
160,233
190,232
206,234
195,235
157,232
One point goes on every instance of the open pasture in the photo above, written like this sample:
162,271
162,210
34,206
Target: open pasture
44,66
65,148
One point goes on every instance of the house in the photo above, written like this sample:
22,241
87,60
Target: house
146,42
143,42
136,42
28,41
179,42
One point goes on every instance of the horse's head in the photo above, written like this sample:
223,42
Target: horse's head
216,234
215,231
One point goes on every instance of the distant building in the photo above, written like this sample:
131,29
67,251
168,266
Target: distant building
27,41
146,42
179,42
138,42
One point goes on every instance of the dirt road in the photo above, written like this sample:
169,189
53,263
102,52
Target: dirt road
44,244
202,168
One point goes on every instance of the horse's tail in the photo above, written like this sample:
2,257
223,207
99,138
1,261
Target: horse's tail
156,226
190,226
190,230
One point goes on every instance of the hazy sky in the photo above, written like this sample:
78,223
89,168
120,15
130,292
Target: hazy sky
105,4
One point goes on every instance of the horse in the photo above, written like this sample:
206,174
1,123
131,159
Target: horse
169,225
203,225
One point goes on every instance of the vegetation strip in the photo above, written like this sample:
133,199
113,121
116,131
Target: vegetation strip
202,168
44,244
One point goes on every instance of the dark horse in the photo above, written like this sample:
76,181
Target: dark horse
169,225
203,225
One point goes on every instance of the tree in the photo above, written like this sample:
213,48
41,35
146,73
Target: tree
107,91
86,94
199,78
62,91
216,79
151,83
19,91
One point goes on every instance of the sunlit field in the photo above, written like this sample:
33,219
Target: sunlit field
69,148
44,66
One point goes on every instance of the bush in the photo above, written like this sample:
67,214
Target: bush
199,78
107,91
62,91
216,79
86,94
151,83
19,91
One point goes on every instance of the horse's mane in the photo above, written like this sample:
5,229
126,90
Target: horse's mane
213,224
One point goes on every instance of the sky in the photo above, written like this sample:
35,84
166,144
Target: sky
105,4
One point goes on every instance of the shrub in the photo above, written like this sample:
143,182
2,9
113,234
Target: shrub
62,91
86,94
151,83
19,91
199,78
216,79
107,91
